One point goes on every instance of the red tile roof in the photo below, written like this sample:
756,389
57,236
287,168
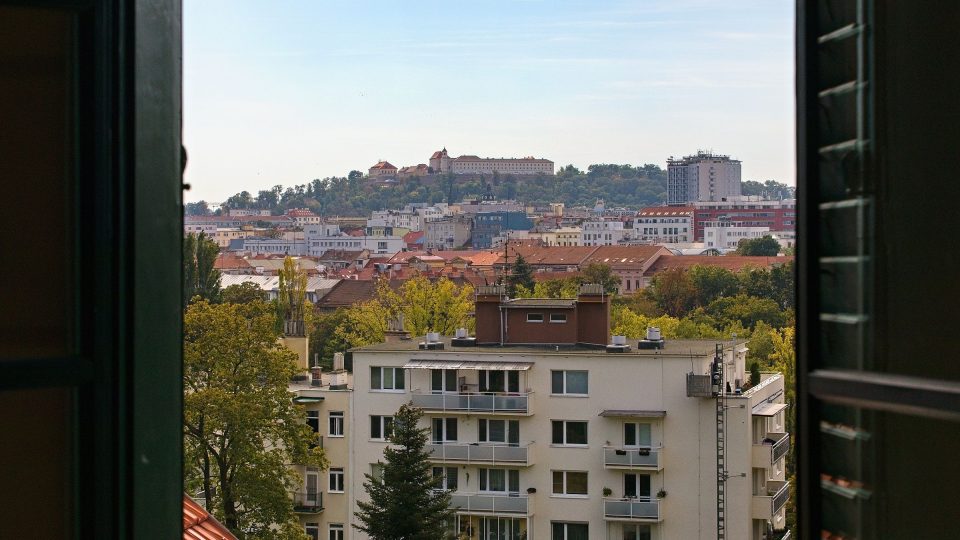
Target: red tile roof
621,256
198,524
412,237
383,165
733,263
539,255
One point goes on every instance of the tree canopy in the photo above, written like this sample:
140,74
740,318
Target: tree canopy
761,247
200,278
406,502
243,293
241,427
437,306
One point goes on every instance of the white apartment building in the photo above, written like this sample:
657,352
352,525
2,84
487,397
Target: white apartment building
702,177
396,218
563,236
602,232
557,436
323,237
276,246
664,225
447,233
726,236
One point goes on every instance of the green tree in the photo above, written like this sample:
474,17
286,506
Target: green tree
602,274
324,339
199,208
291,293
200,278
712,282
406,502
441,306
521,273
760,247
674,292
748,310
241,427
783,283
243,293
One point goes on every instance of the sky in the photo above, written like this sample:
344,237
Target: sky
282,91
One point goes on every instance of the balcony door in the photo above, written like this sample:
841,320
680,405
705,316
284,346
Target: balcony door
444,430
444,381
636,485
312,483
636,434
500,381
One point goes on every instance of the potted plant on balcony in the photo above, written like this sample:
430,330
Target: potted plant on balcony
607,491
662,493
531,490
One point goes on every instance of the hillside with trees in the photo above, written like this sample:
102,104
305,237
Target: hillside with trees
620,185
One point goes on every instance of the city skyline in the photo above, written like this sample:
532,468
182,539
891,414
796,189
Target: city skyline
286,93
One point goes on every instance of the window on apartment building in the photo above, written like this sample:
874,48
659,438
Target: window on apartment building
448,477
312,530
500,480
498,431
336,480
499,381
335,531
443,381
636,434
386,378
444,430
535,317
335,424
381,427
313,420
569,432
560,530
376,471
637,531
636,485
570,483
558,317
568,382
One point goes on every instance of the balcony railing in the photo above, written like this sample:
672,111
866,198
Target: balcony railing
307,502
765,455
768,506
480,402
646,458
488,454
632,509
490,503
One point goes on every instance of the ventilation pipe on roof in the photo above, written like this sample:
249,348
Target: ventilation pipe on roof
463,339
618,345
431,342
654,340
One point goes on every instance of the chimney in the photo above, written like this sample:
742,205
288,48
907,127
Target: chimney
338,361
593,315
395,332
487,313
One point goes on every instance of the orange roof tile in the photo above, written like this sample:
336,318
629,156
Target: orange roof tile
733,263
198,524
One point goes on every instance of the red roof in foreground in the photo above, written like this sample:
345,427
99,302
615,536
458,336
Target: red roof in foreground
198,524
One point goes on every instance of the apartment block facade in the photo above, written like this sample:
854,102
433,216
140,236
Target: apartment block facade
541,430
664,225
704,176
322,503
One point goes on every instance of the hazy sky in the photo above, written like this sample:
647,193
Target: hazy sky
281,92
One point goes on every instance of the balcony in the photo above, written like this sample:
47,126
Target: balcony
639,509
491,504
768,506
307,502
767,454
479,402
645,458
480,453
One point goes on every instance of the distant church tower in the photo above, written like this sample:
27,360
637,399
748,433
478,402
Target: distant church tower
440,161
